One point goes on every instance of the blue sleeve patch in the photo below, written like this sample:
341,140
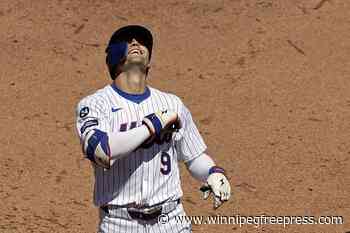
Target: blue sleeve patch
88,124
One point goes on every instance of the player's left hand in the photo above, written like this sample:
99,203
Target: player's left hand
218,184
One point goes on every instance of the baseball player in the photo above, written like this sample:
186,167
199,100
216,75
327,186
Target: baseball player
135,137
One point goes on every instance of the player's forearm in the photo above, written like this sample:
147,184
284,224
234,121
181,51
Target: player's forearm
122,143
104,148
200,166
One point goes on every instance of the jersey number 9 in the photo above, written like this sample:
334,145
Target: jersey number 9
165,161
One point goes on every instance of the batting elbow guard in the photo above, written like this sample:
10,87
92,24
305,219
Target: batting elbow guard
96,148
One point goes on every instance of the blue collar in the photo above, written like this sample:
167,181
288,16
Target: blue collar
136,98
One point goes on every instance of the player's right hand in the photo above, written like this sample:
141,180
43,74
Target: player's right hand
162,122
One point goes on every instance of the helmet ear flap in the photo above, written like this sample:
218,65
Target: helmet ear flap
116,53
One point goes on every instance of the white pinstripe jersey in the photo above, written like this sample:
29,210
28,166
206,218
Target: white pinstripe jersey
147,175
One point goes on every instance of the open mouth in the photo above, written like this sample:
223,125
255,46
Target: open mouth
135,52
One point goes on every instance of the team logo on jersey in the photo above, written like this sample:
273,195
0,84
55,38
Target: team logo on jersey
116,109
84,112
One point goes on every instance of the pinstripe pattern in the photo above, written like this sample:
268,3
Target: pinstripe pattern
172,226
137,177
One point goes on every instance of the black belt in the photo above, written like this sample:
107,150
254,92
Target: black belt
139,214
145,216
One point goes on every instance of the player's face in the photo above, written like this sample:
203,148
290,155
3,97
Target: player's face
137,53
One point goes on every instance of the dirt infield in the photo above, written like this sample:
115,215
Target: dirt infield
267,83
